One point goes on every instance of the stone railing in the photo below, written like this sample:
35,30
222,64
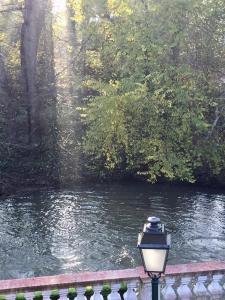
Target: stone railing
190,281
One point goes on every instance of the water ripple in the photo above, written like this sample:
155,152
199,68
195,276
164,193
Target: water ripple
95,228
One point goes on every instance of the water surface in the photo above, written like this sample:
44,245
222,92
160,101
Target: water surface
95,228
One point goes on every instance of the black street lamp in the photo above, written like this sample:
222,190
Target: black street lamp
154,245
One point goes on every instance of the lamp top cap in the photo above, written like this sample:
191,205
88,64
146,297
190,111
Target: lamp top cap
153,220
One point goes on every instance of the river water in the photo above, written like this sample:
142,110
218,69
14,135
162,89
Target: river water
95,228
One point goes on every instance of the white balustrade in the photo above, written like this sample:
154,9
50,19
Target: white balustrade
168,291
114,292
145,291
29,295
195,284
97,293
215,289
130,293
183,290
63,294
11,296
46,295
80,293
200,291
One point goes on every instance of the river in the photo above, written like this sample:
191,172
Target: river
95,228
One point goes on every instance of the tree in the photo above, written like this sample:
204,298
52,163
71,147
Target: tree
34,13
159,74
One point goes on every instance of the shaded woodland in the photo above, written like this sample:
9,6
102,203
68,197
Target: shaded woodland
111,89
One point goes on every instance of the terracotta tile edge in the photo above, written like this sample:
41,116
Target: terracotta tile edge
66,281
91,278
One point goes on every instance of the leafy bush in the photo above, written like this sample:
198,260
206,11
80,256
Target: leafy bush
106,290
38,296
71,293
89,292
20,296
55,295
2,297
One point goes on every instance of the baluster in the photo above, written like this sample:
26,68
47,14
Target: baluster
215,289
63,294
145,290
183,290
114,292
46,295
29,295
80,293
130,293
168,292
11,296
97,293
199,289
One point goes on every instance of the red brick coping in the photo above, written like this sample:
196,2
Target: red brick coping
90,278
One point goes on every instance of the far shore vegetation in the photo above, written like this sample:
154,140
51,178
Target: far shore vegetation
94,90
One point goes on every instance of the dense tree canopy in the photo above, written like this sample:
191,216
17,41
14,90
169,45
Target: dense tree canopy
95,89
155,73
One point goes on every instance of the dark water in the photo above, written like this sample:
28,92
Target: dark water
95,228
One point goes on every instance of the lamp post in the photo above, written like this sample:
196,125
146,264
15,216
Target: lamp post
154,245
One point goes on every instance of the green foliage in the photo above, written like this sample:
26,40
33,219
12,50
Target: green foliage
2,297
156,88
71,293
38,295
106,291
145,77
20,296
55,295
89,292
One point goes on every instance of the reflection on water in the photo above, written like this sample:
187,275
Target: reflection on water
95,228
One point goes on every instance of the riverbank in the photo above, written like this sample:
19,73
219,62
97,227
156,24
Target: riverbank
15,185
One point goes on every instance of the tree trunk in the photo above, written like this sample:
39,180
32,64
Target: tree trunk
7,105
3,82
34,13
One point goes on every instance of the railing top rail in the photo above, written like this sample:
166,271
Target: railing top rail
91,278
213,266
189,269
67,280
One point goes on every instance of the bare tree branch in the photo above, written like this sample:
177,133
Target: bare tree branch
218,115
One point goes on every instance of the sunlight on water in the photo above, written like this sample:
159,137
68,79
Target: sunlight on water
95,228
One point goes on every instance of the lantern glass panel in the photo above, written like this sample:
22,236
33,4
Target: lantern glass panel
154,259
